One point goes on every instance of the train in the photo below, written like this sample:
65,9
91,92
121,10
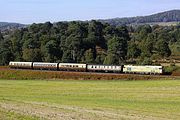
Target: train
127,69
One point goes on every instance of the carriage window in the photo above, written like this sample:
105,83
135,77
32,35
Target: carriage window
129,69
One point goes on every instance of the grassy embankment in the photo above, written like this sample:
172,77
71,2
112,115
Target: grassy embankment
46,75
35,99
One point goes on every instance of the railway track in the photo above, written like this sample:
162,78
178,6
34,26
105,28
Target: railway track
4,68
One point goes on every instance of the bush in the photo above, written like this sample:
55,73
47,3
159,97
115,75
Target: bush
169,69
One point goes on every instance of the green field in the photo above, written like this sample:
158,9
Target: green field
89,100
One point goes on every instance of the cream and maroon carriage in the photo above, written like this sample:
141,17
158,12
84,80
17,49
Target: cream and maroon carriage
72,67
45,66
21,65
104,68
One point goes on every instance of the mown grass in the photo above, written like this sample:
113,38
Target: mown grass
8,115
142,99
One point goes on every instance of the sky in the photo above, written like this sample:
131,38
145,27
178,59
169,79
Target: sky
39,11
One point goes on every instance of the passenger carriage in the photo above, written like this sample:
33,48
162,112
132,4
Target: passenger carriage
21,65
104,68
45,66
72,67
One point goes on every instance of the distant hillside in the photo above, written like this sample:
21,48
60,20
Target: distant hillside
164,17
9,26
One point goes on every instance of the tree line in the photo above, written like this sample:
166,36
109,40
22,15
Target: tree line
89,42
